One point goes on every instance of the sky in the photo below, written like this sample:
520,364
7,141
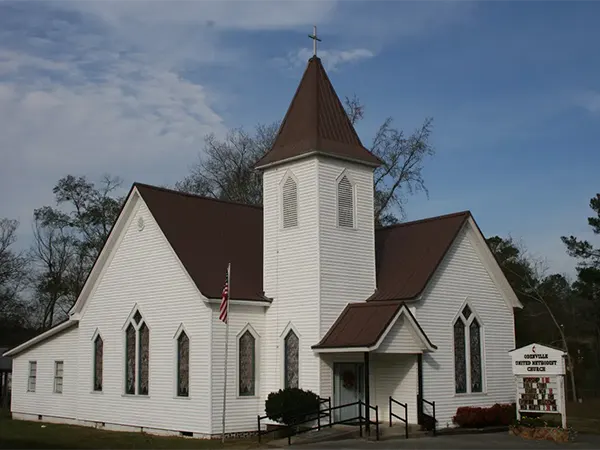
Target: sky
131,88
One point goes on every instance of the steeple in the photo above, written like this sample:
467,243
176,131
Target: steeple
316,123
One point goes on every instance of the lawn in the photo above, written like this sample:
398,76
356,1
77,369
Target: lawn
22,434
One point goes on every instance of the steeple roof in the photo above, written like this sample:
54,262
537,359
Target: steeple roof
316,123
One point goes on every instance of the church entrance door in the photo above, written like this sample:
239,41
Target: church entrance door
348,387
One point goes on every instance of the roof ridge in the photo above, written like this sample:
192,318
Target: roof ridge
198,196
426,219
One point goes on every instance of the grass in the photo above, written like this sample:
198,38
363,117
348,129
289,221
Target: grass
23,434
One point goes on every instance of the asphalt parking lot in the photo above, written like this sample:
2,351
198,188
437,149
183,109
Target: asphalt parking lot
501,440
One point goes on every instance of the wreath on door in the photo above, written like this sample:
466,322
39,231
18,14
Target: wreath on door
348,379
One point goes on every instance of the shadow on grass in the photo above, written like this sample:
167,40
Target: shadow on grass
24,443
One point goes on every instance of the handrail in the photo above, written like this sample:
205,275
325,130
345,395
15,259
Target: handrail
432,404
405,419
325,413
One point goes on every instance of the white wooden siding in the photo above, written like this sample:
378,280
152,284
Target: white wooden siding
144,271
462,274
241,411
400,339
44,401
291,275
347,255
396,376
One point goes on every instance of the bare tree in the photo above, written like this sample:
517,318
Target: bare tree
403,157
528,277
13,273
68,239
225,168
53,251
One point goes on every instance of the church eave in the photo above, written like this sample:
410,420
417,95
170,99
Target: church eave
316,153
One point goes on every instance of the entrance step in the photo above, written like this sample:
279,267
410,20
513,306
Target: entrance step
335,433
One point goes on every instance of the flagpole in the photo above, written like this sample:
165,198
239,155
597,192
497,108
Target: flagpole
226,351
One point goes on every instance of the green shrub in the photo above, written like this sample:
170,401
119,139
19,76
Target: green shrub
292,405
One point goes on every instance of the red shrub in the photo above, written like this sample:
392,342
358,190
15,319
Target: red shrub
476,417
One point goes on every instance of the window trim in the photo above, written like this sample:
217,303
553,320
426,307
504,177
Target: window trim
346,173
288,174
282,336
181,330
467,323
248,328
95,336
56,377
137,361
32,363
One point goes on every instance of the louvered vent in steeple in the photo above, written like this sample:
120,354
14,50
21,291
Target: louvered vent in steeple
290,203
345,203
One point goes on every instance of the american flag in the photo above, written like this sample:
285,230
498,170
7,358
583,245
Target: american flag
224,308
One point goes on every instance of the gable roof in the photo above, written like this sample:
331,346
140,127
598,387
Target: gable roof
365,325
207,234
57,329
408,254
316,122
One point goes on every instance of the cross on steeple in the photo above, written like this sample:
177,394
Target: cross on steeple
315,39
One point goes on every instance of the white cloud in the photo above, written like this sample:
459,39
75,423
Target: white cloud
243,14
332,59
589,100
89,87
136,126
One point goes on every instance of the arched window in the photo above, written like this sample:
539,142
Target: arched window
98,360
291,360
468,373
183,365
247,364
290,203
137,356
345,203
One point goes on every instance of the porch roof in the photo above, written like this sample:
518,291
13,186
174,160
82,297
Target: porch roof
364,326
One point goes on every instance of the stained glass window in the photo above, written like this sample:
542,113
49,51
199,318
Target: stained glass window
460,369
183,365
130,360
291,360
246,363
98,356
466,311
144,357
475,342
137,317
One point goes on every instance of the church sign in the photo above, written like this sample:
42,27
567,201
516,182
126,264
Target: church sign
540,377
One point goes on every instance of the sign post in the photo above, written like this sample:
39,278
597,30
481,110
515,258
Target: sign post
540,378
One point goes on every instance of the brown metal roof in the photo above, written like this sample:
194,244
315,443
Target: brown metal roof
316,122
360,325
206,234
408,254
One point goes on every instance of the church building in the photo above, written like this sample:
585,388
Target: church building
320,299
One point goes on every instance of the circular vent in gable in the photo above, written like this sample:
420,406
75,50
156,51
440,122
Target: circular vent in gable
140,223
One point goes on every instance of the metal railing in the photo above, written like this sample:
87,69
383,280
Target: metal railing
402,419
292,429
426,416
